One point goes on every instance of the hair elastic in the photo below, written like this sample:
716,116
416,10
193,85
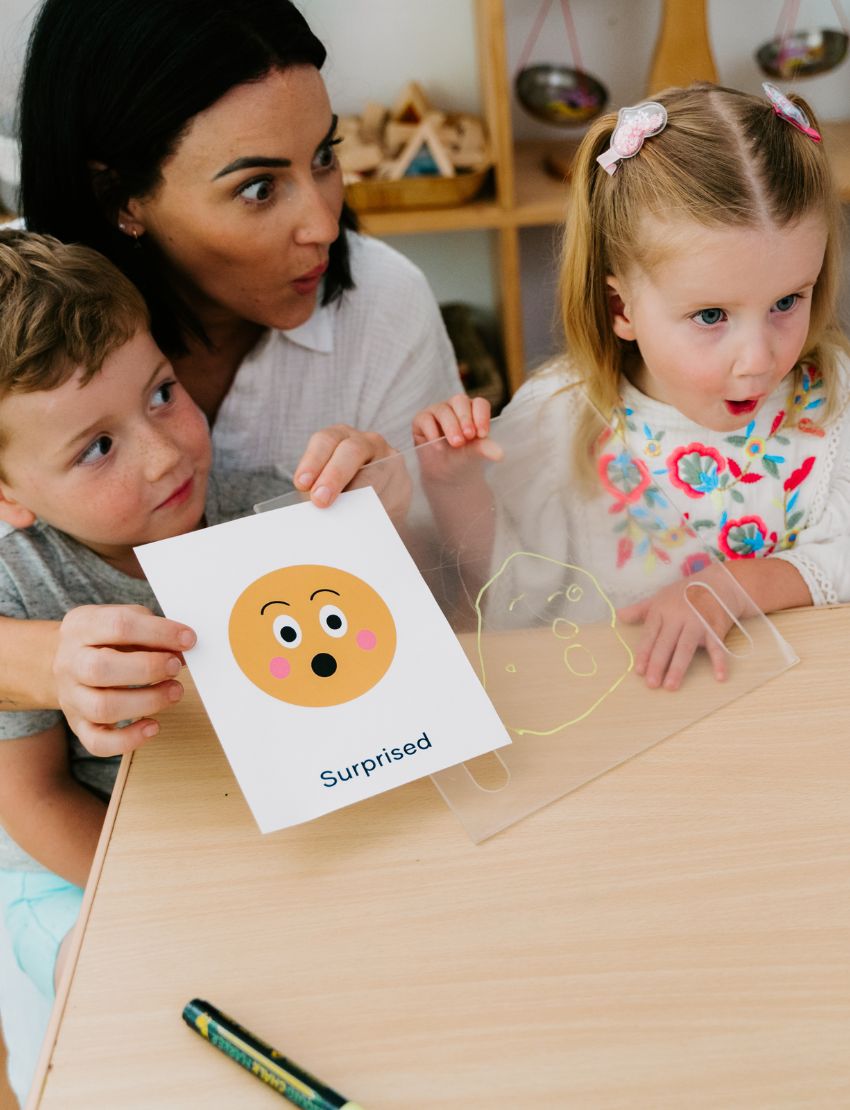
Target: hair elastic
789,111
634,124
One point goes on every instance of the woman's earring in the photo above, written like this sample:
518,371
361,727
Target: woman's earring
133,232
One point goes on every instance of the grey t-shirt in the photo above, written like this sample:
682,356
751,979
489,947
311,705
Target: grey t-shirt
44,573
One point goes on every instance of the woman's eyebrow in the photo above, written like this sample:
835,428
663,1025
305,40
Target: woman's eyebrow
252,161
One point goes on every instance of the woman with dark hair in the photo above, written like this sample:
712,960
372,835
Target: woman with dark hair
192,143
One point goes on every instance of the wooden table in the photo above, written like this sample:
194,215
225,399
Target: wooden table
674,934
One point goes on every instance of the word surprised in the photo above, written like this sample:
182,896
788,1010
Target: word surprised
383,758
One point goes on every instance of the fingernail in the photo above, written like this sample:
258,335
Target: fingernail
175,691
322,495
305,480
150,729
172,667
186,638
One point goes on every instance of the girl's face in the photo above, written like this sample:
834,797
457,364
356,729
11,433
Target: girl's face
723,318
249,202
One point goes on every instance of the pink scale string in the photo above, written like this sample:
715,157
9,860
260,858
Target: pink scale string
569,27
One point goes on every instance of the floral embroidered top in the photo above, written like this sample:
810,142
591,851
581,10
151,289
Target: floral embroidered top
672,495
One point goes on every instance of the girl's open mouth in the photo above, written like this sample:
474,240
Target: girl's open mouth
737,408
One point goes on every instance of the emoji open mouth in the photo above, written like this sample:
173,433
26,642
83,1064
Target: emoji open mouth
323,665
737,408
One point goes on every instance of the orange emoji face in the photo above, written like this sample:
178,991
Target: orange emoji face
312,635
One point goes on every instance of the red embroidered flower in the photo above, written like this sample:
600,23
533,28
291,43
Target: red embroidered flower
744,538
695,469
624,477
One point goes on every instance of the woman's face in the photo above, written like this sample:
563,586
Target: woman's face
249,202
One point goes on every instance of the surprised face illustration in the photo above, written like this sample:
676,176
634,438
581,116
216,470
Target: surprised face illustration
312,635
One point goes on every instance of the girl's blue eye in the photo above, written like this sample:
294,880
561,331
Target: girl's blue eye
325,158
96,451
257,191
163,393
710,316
785,304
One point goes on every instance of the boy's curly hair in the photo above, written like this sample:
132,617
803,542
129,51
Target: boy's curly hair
63,308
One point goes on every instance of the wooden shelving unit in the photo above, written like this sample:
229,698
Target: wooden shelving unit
524,194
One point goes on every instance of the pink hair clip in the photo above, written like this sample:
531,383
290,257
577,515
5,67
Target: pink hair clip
789,111
634,124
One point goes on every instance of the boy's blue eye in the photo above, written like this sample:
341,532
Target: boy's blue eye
97,450
785,304
710,316
163,393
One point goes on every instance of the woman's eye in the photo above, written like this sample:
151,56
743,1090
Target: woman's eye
710,316
333,620
325,158
163,393
257,191
785,304
288,631
96,451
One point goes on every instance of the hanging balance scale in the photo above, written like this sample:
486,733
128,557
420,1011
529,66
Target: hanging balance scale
558,94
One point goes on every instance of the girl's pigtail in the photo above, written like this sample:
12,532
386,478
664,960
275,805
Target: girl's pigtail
585,304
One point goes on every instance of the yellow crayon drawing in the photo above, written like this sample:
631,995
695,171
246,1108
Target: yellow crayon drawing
582,663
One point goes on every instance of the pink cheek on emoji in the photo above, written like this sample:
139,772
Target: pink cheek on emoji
366,639
279,667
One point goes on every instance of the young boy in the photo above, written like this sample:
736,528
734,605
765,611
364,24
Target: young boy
100,449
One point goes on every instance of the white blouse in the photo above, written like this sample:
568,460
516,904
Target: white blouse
372,360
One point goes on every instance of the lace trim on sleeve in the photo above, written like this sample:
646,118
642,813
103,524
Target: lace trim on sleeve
817,582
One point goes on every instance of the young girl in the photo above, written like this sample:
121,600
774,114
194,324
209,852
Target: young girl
698,293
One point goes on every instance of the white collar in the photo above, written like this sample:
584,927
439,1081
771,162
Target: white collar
317,333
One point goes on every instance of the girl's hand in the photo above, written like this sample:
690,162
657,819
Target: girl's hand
332,459
456,459
673,631
116,663
461,420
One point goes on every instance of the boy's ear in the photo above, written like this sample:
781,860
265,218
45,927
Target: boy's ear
617,303
13,512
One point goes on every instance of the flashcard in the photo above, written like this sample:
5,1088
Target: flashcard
327,669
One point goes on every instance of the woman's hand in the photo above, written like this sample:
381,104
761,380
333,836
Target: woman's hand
117,663
335,459
697,612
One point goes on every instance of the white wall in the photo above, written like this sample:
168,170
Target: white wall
376,46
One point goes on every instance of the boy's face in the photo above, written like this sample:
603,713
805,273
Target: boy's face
120,461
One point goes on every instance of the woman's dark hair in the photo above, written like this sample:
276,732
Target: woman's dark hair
117,82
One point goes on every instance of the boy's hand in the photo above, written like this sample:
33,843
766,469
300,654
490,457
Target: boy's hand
672,631
332,459
116,663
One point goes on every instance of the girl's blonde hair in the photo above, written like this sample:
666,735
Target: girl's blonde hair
725,159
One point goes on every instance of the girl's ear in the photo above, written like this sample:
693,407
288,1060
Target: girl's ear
618,307
13,512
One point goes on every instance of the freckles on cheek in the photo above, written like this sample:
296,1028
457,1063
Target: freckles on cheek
279,667
366,639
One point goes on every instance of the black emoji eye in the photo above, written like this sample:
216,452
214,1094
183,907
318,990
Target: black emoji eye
288,631
333,620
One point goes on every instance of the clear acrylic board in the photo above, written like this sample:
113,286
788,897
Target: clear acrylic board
532,556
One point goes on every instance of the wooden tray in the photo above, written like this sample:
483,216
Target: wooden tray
416,192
